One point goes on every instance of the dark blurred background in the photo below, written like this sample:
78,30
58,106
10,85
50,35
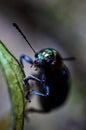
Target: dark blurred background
60,24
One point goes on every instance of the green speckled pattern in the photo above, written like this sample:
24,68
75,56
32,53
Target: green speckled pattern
14,75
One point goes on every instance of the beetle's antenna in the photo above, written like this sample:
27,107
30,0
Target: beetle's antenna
17,27
69,58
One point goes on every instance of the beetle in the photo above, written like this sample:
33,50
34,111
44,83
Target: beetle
53,79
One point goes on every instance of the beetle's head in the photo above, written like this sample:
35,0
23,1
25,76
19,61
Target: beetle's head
45,58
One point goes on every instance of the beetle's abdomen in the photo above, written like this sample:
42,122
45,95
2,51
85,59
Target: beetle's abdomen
59,85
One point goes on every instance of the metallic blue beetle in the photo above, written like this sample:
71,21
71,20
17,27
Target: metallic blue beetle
53,79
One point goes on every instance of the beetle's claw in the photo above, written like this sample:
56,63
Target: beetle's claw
27,97
25,81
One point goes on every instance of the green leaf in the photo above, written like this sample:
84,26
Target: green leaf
14,75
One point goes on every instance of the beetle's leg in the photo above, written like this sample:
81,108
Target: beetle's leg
30,77
40,93
45,87
26,58
37,93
